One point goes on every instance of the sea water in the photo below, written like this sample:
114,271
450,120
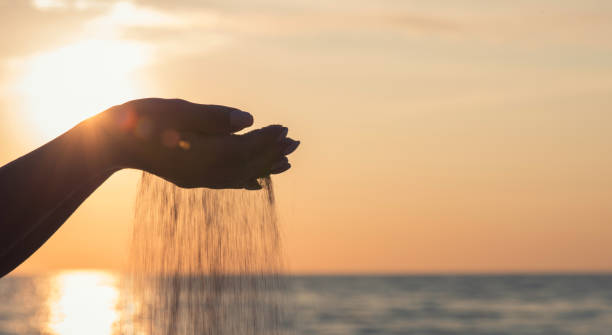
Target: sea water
88,303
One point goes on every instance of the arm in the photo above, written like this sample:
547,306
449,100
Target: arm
36,186
40,190
43,231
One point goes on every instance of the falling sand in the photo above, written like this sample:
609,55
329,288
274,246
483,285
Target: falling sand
204,261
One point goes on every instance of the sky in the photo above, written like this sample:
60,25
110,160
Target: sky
437,136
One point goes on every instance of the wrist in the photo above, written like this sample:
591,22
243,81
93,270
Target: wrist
120,137
98,144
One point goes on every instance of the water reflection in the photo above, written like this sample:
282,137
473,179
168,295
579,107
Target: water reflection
83,302
86,302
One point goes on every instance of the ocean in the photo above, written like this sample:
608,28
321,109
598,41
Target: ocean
86,302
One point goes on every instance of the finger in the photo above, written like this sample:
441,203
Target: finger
274,141
289,145
254,143
238,149
260,139
266,165
252,184
183,115
277,150
246,175
216,119
280,166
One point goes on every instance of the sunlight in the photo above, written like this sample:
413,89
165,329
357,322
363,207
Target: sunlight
128,14
69,84
83,302
48,4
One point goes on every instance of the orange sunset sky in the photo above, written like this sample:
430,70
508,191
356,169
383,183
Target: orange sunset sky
437,136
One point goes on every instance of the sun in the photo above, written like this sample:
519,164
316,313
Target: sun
65,86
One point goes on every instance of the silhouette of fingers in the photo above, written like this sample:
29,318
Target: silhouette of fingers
263,169
194,159
253,185
271,160
270,139
288,146
215,119
280,166
182,115
263,139
266,164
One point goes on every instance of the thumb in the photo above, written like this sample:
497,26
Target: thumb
210,119
182,115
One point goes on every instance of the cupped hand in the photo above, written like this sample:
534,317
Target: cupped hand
193,145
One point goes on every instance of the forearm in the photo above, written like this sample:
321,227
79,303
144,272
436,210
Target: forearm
42,187
43,231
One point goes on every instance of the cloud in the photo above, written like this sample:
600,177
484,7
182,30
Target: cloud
193,26
29,29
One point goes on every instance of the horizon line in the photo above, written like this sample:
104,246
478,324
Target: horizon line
364,273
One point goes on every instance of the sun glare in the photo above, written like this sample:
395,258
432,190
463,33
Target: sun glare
66,85
83,302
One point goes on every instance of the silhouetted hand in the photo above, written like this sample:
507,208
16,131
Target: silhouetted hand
188,144
192,145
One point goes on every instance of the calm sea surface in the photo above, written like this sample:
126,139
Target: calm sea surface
86,303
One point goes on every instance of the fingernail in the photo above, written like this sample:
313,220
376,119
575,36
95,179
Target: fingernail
240,119
291,146
283,134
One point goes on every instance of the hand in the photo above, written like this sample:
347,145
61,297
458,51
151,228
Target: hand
193,145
